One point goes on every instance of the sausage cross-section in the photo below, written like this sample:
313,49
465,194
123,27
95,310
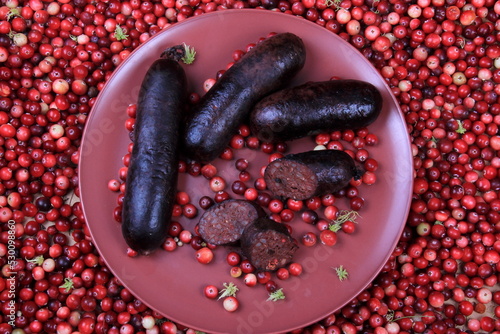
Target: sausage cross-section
151,181
315,107
224,222
268,244
313,173
267,67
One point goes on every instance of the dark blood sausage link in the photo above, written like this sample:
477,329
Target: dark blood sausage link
264,69
315,107
268,244
313,173
152,172
224,223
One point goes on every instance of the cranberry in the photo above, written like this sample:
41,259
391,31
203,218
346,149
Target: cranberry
233,259
309,239
230,304
206,202
211,291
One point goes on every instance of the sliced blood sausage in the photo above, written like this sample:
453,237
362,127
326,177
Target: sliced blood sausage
315,107
224,222
313,173
267,244
152,172
267,67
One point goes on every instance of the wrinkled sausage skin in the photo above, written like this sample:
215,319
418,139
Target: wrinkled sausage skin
315,107
151,181
267,67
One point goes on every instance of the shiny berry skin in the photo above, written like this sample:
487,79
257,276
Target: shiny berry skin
250,279
211,291
204,255
328,237
230,304
309,239
233,258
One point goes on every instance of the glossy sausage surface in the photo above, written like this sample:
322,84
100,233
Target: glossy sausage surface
313,173
151,182
264,69
315,107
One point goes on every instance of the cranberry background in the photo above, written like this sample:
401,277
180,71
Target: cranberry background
441,59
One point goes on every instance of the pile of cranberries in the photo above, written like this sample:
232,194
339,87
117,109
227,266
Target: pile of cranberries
441,58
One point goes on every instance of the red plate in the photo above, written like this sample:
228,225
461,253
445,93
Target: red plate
172,283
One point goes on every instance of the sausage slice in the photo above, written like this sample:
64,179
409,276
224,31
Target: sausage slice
313,173
268,244
224,222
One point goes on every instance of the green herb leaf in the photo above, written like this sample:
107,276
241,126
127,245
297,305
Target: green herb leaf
390,316
335,227
37,260
13,12
276,295
344,215
189,54
120,33
336,3
68,284
229,290
341,272
461,130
